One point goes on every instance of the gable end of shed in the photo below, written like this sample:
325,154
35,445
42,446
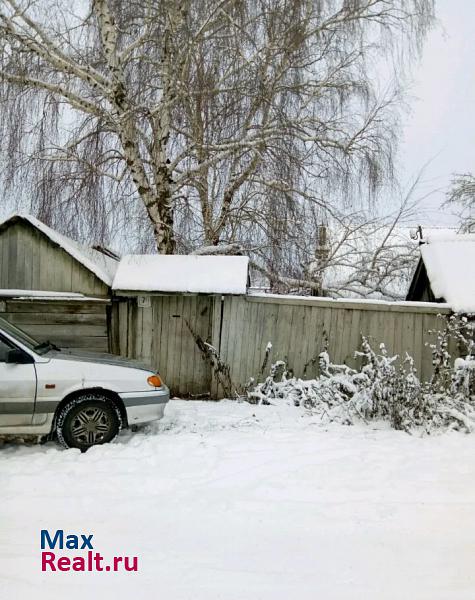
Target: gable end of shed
30,260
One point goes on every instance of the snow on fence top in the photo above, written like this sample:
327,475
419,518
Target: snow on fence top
450,266
186,274
98,263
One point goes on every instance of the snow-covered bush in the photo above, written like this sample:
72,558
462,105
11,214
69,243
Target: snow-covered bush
380,389
329,395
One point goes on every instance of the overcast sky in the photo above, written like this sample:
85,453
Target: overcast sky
441,125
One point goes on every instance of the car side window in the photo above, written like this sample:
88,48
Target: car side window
5,347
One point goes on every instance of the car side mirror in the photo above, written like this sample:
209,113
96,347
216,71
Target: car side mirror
19,357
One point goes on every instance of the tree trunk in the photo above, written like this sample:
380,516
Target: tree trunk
161,210
161,216
157,198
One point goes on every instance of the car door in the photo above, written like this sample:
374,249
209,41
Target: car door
17,389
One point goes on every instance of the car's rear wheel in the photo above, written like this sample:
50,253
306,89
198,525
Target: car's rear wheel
86,421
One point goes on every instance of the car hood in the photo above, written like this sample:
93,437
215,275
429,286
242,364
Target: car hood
97,357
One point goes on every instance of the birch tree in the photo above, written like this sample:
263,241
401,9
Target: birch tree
206,116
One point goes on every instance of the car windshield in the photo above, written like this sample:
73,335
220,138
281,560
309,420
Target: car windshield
20,335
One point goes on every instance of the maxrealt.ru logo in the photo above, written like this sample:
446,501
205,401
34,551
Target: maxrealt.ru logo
88,561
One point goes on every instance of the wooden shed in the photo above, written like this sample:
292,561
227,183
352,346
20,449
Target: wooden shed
35,257
53,287
164,307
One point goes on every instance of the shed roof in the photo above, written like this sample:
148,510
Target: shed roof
185,274
450,266
104,267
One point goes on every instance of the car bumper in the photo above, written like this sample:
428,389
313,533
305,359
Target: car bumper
142,407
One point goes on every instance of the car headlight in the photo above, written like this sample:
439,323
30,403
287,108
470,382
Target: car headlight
154,381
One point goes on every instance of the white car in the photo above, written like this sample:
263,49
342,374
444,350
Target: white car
83,398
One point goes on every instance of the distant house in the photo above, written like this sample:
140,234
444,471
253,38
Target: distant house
446,272
370,261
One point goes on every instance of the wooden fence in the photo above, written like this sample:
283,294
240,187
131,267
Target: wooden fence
73,324
164,335
300,328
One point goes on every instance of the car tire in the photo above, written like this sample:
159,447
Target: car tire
86,421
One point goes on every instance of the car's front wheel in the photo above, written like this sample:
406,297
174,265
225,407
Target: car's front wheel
86,421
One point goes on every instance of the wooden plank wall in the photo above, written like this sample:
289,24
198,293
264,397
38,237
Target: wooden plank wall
299,329
76,325
240,328
30,261
159,335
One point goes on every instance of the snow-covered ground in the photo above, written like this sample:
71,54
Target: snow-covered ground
234,501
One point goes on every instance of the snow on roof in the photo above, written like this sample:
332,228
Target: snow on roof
104,267
45,295
178,273
450,266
